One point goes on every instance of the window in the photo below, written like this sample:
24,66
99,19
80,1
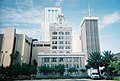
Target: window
77,66
61,37
74,65
54,52
66,65
67,33
54,33
70,65
67,47
39,45
69,59
54,37
46,44
75,59
67,37
61,47
67,52
55,10
54,47
47,65
46,59
54,42
53,65
61,33
60,59
67,42
61,42
33,45
54,59
61,52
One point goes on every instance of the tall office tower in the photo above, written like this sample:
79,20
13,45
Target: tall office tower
89,35
50,15
60,36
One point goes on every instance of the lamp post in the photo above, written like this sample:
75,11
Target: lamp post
31,50
2,52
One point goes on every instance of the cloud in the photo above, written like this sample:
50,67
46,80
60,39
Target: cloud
24,14
109,19
58,3
31,32
12,15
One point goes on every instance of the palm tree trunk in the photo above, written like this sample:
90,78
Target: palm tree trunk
98,71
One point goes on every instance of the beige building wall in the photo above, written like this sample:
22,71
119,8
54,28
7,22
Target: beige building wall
18,45
7,46
40,47
14,42
69,60
76,44
26,47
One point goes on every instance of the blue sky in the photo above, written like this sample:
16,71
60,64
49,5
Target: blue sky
25,16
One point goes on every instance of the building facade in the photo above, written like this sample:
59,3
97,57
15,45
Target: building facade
40,47
13,42
60,51
89,35
50,15
60,36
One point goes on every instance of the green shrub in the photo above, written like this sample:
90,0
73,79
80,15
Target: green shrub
117,78
108,77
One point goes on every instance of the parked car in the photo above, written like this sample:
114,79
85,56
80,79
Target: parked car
95,76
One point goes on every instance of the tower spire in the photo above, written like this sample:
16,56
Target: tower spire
89,8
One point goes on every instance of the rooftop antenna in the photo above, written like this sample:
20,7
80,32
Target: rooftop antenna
89,8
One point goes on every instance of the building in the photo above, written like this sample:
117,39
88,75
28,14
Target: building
40,47
49,15
60,36
89,35
12,42
60,51
117,55
76,43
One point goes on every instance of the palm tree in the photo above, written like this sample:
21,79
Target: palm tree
115,65
95,61
14,57
107,57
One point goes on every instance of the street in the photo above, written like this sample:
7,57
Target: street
66,80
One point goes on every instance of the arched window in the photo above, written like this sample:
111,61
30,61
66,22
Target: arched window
54,52
61,52
67,52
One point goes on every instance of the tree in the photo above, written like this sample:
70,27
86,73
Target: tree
25,69
14,57
95,61
72,70
83,70
60,69
43,69
107,57
34,63
115,65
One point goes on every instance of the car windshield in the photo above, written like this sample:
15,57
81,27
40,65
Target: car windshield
94,73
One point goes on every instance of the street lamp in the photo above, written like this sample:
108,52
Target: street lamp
2,52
